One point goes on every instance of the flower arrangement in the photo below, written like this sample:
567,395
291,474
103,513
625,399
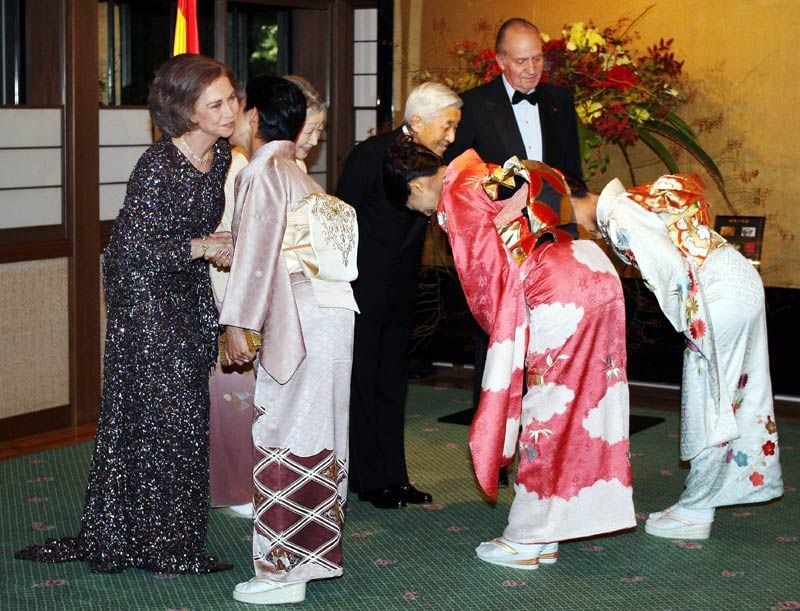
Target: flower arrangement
621,96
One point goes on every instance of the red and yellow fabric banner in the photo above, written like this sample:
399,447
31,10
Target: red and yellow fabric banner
186,38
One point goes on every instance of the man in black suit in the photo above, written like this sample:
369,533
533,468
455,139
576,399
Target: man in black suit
389,251
515,114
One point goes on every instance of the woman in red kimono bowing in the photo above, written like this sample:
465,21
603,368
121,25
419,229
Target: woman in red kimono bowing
554,311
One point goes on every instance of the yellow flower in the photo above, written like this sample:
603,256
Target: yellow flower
691,308
639,114
576,35
588,111
582,38
545,37
593,39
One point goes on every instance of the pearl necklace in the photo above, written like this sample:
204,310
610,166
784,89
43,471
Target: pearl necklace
204,160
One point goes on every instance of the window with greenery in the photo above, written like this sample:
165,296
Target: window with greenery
258,40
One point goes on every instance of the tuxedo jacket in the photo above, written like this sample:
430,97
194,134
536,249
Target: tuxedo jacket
489,126
390,240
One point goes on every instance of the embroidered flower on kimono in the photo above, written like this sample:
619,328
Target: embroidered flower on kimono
691,346
411,596
741,459
698,328
692,284
768,448
742,381
729,456
738,399
691,308
771,426
756,478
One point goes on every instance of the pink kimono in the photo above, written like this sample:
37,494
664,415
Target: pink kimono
553,309
303,381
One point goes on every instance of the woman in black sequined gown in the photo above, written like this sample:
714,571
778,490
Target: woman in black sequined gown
147,497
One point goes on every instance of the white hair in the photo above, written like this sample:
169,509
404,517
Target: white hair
429,99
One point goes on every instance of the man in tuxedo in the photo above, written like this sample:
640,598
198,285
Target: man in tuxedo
389,251
516,114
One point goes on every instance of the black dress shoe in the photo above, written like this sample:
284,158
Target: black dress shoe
383,499
502,478
411,495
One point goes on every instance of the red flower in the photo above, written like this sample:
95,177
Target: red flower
768,448
756,478
621,78
697,328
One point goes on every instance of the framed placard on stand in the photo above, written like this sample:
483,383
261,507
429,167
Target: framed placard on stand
744,233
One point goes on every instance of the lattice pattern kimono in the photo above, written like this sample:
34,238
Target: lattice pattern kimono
290,281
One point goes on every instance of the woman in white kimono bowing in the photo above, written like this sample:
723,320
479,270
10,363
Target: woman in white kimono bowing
294,256
711,294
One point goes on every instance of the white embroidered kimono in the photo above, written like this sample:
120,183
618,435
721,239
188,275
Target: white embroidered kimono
728,430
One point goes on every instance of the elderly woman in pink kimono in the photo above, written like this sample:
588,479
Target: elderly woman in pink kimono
714,296
289,291
554,312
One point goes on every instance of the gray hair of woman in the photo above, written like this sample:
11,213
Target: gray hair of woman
314,101
429,99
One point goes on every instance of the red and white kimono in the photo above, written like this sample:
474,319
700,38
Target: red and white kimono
553,307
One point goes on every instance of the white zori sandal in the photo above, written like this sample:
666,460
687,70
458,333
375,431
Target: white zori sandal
525,556
261,590
678,522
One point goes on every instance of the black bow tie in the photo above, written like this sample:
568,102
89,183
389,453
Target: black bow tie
532,97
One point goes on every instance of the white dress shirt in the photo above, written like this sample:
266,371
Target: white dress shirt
527,116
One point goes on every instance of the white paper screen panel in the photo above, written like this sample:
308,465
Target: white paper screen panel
111,200
30,127
125,133
125,126
21,168
31,167
29,207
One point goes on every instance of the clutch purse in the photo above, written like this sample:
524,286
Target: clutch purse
253,339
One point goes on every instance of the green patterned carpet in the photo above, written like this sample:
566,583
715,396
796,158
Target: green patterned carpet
422,557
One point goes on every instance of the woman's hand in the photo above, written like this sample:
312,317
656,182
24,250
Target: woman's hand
236,346
224,254
215,247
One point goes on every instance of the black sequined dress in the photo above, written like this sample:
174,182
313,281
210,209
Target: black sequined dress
147,497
